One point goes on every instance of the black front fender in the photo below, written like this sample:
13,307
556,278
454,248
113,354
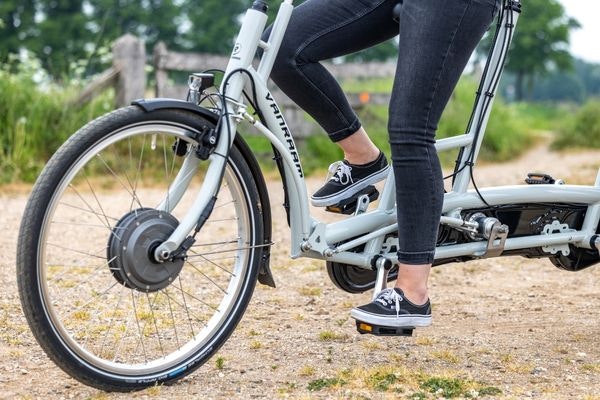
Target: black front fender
265,276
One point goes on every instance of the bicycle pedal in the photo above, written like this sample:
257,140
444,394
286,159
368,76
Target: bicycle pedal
349,206
377,330
534,178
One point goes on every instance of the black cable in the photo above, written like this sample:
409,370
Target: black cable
479,92
224,114
488,93
496,76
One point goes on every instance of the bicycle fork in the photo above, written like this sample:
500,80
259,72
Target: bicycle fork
231,91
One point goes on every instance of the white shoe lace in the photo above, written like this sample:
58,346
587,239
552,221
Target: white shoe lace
388,297
339,171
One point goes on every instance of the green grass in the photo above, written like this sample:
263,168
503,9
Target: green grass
510,131
319,384
414,384
446,387
35,122
582,130
511,128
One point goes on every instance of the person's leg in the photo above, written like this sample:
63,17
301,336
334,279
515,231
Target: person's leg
358,148
323,29
437,38
320,30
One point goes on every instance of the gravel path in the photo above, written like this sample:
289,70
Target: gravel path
511,328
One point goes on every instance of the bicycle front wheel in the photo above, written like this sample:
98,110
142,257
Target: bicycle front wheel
97,301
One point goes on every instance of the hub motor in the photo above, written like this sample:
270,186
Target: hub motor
131,246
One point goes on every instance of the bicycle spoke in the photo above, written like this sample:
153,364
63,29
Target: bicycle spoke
137,321
138,172
207,277
97,201
183,292
62,203
154,320
230,250
132,193
213,263
173,319
112,320
215,243
187,310
98,215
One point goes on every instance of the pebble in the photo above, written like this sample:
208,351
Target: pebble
539,370
580,356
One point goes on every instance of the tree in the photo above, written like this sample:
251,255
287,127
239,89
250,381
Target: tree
541,43
213,25
16,25
62,35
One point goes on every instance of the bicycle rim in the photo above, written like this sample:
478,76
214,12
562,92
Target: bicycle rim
114,328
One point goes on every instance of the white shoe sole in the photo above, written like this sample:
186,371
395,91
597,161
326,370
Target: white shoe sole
392,320
350,190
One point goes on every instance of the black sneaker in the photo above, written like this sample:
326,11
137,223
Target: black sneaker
391,308
346,179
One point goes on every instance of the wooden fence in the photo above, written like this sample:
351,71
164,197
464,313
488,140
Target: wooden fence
128,76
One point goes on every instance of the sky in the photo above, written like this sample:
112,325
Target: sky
585,41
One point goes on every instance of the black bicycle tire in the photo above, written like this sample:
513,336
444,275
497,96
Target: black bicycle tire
29,241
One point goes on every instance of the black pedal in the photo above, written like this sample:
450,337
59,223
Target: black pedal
364,328
348,206
534,178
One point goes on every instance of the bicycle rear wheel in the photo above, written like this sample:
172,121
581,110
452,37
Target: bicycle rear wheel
96,300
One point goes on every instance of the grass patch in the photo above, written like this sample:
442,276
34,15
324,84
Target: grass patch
382,381
582,130
35,122
595,368
330,336
445,355
255,345
413,384
322,383
154,390
446,387
287,389
424,341
220,363
307,370
510,131
489,391
371,345
308,291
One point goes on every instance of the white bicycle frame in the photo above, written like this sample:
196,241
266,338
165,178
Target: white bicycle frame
334,241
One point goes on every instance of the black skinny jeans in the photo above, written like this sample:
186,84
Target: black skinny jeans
437,38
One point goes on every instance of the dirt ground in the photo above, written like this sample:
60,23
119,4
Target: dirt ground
508,328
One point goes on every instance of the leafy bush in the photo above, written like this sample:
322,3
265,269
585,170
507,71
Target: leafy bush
35,119
583,130
506,135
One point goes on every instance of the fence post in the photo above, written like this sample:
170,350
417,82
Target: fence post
162,77
129,58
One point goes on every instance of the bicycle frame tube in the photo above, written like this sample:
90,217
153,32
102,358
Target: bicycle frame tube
311,238
485,101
